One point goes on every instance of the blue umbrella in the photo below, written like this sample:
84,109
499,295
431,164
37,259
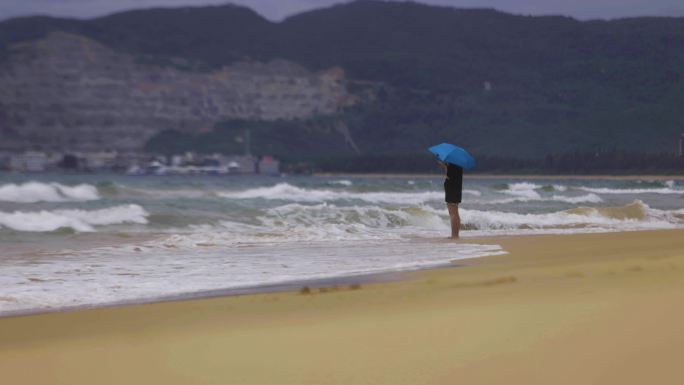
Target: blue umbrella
453,154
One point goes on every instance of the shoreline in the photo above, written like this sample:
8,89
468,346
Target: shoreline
340,282
562,309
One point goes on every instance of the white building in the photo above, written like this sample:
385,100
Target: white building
101,160
32,161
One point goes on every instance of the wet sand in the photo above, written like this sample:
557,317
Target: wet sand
571,309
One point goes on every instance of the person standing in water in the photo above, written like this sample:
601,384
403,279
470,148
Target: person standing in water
453,189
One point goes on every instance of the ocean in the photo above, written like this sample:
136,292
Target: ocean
92,240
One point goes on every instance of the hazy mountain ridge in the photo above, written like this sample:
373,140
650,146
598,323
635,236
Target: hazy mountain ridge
66,91
498,83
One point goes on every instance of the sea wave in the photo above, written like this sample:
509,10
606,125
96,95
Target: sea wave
529,192
588,198
554,187
77,220
632,191
118,190
634,216
288,192
342,182
476,193
297,222
32,192
523,189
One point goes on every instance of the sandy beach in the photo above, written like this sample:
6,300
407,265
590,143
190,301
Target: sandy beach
571,309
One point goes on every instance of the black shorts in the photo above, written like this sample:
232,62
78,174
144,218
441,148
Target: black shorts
452,192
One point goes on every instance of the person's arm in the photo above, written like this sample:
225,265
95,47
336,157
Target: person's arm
445,168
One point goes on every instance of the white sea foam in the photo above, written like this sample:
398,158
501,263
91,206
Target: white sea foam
635,216
288,192
588,198
326,222
165,193
632,191
523,189
117,274
497,220
32,192
294,223
342,182
78,220
290,242
281,233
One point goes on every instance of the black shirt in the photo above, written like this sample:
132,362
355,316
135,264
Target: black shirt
453,185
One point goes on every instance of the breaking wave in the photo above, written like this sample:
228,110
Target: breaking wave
602,190
298,222
288,192
554,187
530,191
523,190
32,192
472,192
634,216
342,182
588,198
77,220
527,192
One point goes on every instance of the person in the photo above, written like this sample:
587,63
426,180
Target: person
453,189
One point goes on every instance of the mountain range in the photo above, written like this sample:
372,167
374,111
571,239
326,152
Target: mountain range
499,84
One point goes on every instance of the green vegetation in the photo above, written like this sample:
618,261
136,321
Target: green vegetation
289,140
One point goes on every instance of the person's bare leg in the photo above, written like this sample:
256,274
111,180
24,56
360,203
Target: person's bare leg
455,219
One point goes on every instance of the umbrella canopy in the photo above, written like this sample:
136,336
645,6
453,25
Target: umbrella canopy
449,153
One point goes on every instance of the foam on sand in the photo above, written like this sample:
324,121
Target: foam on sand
32,192
606,291
157,270
77,220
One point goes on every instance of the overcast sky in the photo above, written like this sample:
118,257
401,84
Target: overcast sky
278,9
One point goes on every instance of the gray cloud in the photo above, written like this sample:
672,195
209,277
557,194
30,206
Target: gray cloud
278,9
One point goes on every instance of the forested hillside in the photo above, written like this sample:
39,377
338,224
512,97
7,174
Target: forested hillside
500,84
